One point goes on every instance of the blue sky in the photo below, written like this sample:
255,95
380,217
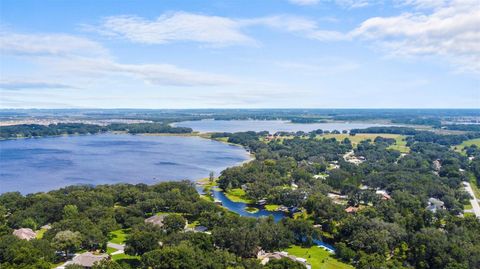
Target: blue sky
240,54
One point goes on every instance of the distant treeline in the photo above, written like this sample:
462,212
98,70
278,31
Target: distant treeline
36,130
463,127
307,120
420,136
385,130
435,122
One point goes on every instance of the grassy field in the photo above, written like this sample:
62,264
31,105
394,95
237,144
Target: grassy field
127,261
111,250
271,207
467,207
237,195
251,209
118,236
466,143
474,185
318,257
40,233
400,143
193,224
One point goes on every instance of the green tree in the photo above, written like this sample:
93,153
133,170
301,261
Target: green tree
70,211
174,223
106,264
284,263
67,241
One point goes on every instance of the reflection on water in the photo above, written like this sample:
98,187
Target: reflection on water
43,164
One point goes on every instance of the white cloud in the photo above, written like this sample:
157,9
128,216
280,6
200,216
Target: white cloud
178,26
297,25
321,67
451,31
25,84
342,3
157,74
48,44
67,53
210,30
304,2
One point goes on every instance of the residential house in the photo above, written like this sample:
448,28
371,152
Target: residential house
88,259
435,204
25,234
156,220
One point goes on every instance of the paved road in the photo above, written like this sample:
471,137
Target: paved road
474,201
120,248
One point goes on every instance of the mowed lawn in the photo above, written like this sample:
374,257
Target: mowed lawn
400,142
318,257
118,236
237,195
467,143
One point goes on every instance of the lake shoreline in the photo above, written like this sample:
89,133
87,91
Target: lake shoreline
167,160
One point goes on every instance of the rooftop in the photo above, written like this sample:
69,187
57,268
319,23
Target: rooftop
25,233
87,259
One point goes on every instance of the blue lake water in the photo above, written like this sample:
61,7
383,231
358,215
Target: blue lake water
239,208
43,164
272,126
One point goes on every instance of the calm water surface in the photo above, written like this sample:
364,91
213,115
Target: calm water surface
272,126
43,164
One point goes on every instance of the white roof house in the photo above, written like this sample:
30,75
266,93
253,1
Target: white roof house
435,204
25,233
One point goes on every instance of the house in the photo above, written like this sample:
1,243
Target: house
351,209
436,165
337,198
435,204
319,176
88,259
156,220
384,194
46,227
265,257
25,234
200,229
270,137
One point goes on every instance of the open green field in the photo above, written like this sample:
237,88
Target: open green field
271,207
111,250
237,195
318,257
466,143
124,256
127,261
474,185
118,236
400,143
40,233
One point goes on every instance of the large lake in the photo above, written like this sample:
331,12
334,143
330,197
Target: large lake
43,164
271,126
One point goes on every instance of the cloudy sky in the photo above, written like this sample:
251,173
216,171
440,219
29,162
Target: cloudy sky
240,54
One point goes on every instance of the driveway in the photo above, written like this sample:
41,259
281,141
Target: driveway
120,248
